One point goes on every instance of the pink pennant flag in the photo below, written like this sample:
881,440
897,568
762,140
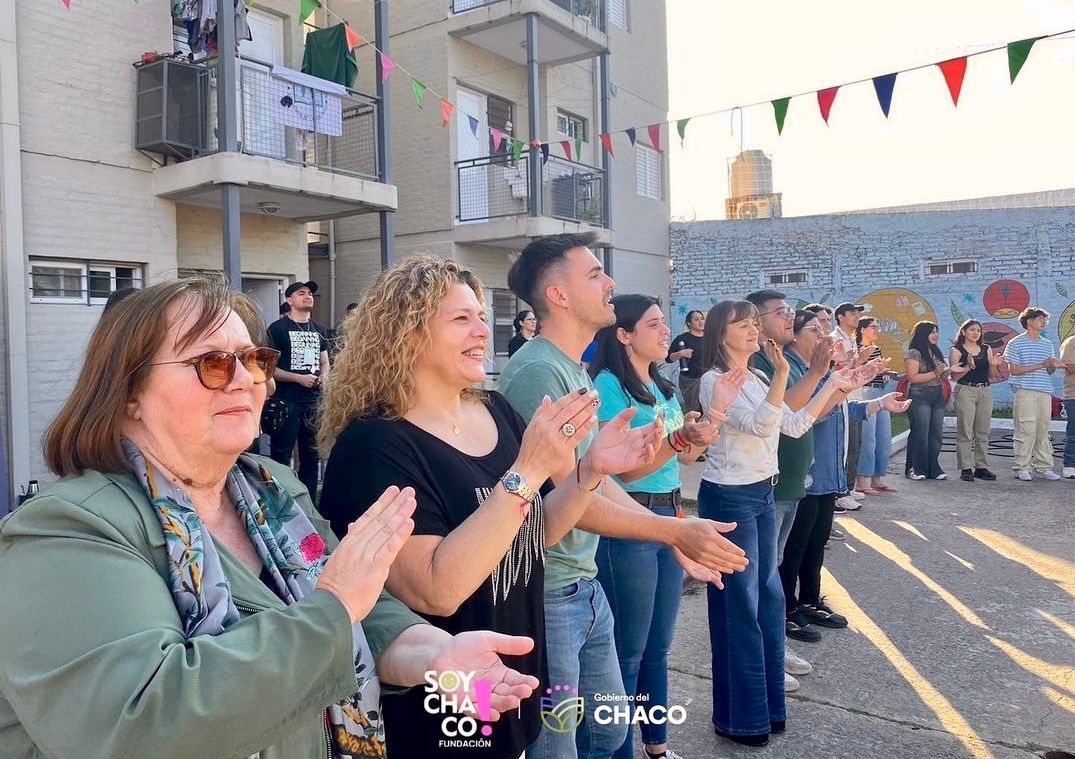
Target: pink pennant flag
655,135
824,101
498,137
566,145
446,109
387,66
536,144
353,38
66,4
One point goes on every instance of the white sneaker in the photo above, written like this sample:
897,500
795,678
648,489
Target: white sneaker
914,476
668,754
1069,473
795,664
790,683
1024,475
858,495
847,503
1049,474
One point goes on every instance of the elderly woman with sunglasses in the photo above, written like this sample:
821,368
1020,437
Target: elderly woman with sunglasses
172,597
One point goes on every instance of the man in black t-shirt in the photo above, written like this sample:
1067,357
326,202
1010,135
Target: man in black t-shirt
303,366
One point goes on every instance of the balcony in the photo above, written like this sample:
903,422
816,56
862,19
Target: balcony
303,154
568,30
494,200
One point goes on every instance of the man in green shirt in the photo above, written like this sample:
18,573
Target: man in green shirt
568,289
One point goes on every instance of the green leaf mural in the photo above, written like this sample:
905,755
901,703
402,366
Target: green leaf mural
956,313
1063,291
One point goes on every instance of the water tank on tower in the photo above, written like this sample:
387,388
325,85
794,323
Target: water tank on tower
750,187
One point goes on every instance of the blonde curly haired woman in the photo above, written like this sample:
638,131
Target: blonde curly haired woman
403,408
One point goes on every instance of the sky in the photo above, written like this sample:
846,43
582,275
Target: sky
1003,138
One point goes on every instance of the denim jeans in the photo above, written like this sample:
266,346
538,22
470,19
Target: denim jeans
746,619
785,516
1069,440
643,583
926,416
875,447
581,653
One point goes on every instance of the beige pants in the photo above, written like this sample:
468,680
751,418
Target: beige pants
1031,413
974,410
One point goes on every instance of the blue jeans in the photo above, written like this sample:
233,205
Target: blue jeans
875,446
643,583
746,619
1069,439
926,416
785,517
581,652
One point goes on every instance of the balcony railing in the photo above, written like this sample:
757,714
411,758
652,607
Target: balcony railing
496,186
591,10
177,117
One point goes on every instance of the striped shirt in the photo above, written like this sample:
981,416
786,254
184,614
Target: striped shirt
1024,351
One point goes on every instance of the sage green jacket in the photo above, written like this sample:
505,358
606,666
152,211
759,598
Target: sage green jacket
93,660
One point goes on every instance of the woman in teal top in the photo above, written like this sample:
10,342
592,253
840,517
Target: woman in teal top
642,579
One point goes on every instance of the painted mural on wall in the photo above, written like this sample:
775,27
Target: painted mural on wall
995,303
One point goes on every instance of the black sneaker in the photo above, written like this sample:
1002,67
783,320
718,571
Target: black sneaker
811,615
839,619
835,534
805,633
967,475
984,474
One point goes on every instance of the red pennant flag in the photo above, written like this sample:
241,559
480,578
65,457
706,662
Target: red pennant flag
655,135
446,109
536,144
953,71
498,137
566,145
353,39
824,101
606,141
387,64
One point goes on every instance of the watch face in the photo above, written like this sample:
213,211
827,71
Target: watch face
512,481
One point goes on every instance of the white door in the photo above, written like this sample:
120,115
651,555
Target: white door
268,293
473,180
260,134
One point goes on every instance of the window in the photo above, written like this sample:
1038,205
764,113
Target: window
617,14
940,268
80,282
648,172
499,113
570,125
505,306
786,278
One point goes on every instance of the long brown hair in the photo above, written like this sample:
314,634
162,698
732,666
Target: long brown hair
86,434
716,322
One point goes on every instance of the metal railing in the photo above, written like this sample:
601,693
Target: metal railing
592,11
277,119
496,186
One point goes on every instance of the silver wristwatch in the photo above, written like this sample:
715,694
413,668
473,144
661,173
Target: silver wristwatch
515,484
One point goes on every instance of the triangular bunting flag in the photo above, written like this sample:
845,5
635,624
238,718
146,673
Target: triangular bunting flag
446,109
632,135
606,141
824,101
66,4
474,129
780,108
1017,55
516,150
578,148
654,135
387,66
419,90
353,38
544,153
566,145
535,143
953,71
681,127
498,137
306,7
883,86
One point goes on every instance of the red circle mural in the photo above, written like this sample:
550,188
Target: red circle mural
1005,298
996,336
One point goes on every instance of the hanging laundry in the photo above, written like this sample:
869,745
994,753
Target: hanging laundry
328,57
306,102
200,19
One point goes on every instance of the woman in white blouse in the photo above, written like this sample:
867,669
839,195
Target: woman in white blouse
746,619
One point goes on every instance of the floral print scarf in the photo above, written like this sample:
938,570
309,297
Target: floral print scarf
293,555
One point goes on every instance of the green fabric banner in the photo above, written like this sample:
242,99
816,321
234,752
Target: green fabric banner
1017,55
306,7
419,91
780,108
578,149
516,150
681,127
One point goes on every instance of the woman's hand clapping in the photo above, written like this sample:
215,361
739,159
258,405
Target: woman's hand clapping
546,447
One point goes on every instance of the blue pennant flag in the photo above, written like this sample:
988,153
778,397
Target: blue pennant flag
884,85
631,135
473,125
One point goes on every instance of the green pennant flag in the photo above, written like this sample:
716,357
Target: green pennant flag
1017,55
578,149
780,108
681,127
306,7
419,91
516,150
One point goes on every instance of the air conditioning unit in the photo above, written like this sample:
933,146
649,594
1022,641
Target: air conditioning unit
753,207
173,108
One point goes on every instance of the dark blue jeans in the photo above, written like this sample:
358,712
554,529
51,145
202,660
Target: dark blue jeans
926,416
1069,439
746,619
643,583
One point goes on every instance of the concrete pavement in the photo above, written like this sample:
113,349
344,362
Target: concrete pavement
961,598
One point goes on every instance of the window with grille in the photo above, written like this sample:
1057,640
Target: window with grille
647,172
505,306
617,14
955,266
570,125
80,282
786,277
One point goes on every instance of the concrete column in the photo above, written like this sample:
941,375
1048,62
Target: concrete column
533,83
384,133
228,131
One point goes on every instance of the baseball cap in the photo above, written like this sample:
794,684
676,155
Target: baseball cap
296,285
843,308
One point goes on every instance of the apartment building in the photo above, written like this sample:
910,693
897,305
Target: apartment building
551,70
110,176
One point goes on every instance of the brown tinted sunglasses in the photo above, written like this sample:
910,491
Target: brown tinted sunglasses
216,369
